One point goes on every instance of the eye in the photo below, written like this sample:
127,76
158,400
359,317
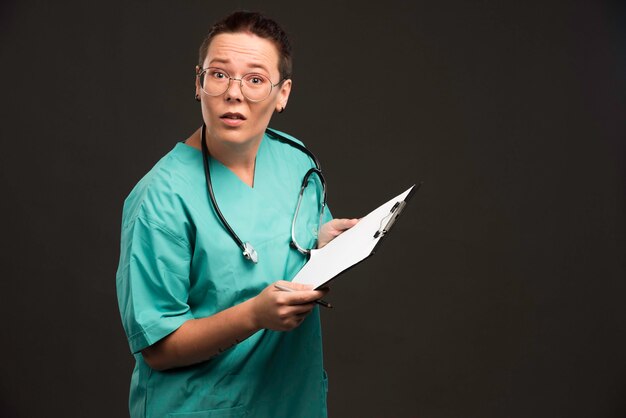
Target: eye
255,79
217,74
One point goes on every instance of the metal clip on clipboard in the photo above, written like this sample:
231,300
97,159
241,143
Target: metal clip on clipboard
392,216
394,212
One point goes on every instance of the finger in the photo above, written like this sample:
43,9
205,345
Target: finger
295,316
293,286
302,310
296,322
302,297
300,318
343,224
323,291
298,293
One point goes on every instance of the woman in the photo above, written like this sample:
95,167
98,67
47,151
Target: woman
205,324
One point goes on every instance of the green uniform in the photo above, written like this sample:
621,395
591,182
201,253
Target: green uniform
178,262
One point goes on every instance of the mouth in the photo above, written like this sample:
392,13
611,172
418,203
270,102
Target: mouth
233,116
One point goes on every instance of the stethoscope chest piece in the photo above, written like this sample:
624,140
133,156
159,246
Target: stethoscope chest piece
250,253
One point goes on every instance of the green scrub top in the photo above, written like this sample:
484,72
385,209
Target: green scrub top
177,262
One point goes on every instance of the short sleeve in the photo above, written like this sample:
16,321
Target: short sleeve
152,282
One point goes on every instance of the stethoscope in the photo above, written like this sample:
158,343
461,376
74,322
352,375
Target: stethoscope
248,250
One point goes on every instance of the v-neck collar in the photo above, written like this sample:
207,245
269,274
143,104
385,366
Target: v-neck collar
217,166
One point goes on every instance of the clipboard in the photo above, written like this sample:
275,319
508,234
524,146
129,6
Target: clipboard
354,245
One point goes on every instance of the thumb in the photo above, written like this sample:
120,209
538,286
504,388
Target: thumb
343,224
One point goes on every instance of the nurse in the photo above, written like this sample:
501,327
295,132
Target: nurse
210,332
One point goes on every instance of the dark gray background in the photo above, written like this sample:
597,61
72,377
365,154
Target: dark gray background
500,293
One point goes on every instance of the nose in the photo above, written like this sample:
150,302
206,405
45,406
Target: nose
233,92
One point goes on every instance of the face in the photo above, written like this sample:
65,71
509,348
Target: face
230,117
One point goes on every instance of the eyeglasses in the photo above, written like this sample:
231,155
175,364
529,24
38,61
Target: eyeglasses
254,86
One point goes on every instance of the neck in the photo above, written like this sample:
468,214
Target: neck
234,156
240,158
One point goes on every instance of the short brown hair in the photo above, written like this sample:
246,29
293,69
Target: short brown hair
259,25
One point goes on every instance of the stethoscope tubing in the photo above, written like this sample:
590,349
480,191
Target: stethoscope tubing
216,208
247,249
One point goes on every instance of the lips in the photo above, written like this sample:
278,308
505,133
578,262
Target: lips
233,116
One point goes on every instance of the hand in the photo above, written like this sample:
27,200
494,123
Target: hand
332,229
279,310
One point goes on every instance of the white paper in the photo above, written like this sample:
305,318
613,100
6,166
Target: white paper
347,249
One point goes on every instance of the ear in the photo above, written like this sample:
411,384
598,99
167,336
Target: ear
197,81
283,95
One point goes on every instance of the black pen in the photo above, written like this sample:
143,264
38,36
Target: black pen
288,289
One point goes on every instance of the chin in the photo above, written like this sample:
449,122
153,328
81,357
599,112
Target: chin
235,135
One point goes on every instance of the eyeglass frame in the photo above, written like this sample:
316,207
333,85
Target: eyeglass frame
203,71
